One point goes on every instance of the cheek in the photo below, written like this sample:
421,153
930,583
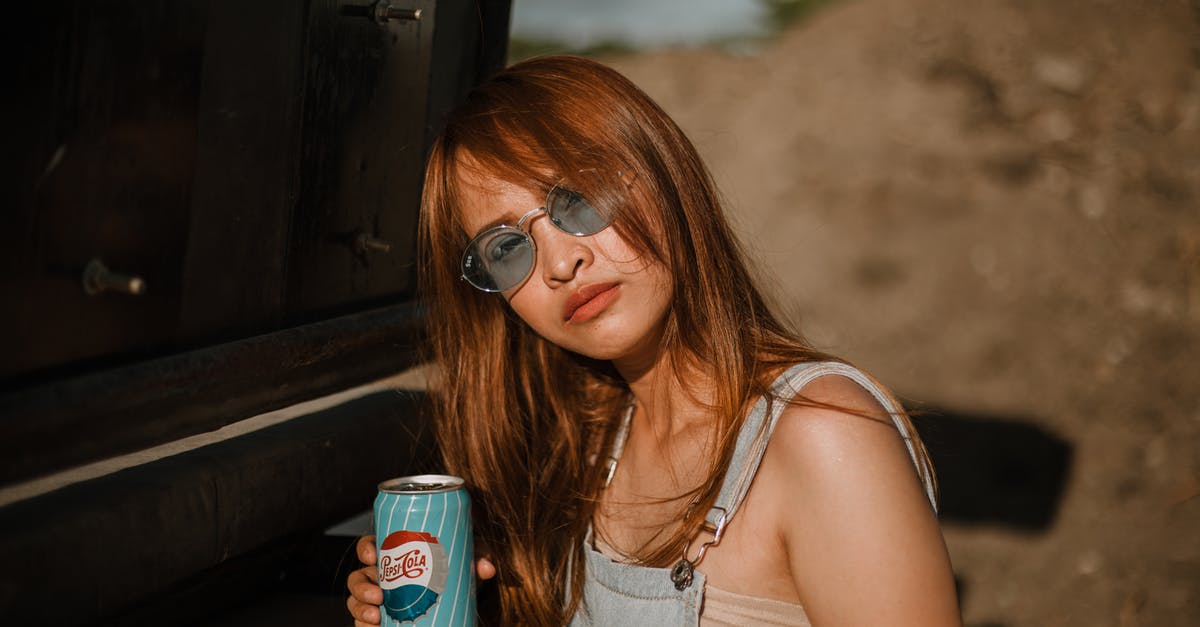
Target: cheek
535,311
612,249
651,277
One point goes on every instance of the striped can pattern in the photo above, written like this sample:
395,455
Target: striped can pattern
425,552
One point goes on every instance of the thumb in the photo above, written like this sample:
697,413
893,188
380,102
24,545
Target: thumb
484,568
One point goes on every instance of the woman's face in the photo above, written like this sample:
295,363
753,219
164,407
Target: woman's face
592,295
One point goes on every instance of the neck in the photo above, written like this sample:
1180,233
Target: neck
667,405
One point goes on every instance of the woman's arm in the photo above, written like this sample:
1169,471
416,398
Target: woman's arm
862,542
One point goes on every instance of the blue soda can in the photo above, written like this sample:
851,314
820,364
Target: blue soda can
426,552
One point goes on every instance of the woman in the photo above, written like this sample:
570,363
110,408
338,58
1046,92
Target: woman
610,379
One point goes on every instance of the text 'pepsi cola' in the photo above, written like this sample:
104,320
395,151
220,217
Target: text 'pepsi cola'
426,552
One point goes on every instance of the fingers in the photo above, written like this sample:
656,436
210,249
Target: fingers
365,594
365,597
484,568
366,550
363,613
363,588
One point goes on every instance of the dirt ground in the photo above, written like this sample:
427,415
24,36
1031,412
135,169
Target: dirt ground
992,206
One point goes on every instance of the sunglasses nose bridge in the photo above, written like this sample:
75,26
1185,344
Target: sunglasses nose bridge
528,217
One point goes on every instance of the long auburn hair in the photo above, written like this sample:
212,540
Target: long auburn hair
524,421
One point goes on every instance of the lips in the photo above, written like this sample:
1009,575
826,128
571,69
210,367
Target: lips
589,301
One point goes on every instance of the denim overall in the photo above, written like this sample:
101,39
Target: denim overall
622,594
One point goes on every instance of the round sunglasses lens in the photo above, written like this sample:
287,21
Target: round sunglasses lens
574,214
497,260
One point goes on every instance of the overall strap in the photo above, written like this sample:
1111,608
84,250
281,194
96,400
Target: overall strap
760,424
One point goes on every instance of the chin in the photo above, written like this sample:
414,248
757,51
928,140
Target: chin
606,351
591,352
617,348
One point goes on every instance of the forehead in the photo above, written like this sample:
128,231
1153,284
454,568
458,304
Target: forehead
484,200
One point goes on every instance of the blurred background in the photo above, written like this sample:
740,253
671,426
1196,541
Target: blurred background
993,206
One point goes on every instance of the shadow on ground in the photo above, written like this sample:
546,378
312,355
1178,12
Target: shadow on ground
995,470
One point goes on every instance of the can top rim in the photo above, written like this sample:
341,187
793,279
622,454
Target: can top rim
421,484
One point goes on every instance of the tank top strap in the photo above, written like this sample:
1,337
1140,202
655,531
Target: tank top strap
760,423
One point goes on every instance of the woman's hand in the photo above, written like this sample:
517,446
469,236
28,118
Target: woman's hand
365,594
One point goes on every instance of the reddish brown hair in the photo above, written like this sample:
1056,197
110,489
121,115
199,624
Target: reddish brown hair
522,419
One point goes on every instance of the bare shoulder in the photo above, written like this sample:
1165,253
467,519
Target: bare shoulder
844,425
842,451
852,513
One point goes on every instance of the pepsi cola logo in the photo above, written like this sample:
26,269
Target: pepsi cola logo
410,565
412,573
412,558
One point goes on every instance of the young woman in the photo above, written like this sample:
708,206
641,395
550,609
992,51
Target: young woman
645,443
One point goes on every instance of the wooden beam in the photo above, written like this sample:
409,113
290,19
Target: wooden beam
70,422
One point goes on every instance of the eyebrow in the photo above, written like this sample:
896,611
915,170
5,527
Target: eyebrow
511,219
508,219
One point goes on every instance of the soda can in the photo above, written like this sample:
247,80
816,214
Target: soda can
426,553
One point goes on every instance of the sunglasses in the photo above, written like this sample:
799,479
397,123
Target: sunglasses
502,257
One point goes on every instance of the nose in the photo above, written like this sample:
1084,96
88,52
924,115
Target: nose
560,255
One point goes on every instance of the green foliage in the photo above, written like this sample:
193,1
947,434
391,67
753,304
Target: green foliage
782,13
779,14
520,48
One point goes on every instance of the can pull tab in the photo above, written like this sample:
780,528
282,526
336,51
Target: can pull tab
418,487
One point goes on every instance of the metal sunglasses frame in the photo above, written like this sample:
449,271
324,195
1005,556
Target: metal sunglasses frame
520,229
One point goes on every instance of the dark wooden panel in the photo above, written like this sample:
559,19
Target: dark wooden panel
256,194
100,136
364,144
230,154
247,163
470,42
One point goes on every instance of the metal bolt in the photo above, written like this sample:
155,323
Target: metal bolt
384,11
364,244
98,278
